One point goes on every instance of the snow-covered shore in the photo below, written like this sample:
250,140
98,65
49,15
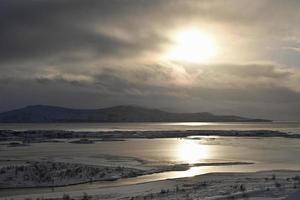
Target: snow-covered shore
267,185
36,174
48,174
50,159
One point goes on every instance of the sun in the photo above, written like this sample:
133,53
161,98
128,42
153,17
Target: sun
192,45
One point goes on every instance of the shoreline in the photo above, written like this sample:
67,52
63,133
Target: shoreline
166,188
44,135
150,171
270,183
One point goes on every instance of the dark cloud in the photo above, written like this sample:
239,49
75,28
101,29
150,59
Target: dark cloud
42,29
91,53
218,88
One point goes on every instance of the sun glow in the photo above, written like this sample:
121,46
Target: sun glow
192,45
190,151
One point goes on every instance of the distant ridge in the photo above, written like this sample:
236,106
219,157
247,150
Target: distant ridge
123,113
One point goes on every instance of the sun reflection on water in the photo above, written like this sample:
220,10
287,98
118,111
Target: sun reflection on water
191,152
190,123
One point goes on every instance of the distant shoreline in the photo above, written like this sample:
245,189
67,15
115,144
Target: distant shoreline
42,135
133,122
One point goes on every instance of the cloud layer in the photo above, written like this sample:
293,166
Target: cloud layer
102,53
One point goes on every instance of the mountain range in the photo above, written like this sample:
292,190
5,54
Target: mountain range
123,113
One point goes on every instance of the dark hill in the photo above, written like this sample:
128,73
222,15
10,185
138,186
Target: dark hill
43,113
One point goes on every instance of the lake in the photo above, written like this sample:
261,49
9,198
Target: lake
267,153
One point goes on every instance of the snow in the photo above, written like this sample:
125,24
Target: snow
265,185
27,170
42,174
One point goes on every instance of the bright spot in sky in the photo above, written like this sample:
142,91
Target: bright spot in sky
192,45
190,151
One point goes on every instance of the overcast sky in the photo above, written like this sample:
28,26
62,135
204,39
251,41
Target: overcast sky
97,53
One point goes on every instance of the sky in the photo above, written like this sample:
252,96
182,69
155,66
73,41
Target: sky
237,57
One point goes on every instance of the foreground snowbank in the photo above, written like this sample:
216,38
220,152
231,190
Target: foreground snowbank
35,174
270,185
43,174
